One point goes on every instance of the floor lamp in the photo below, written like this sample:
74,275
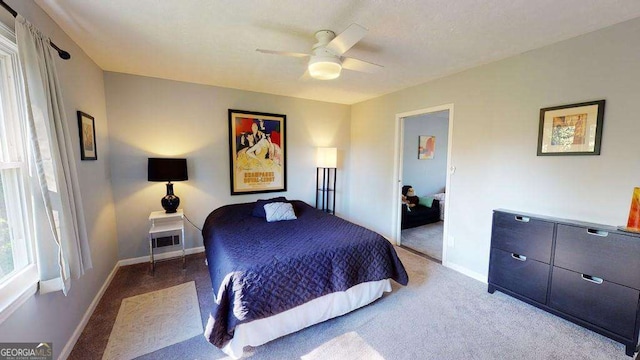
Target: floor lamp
327,159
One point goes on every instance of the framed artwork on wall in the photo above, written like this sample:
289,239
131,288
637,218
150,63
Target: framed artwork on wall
257,150
87,128
426,147
574,129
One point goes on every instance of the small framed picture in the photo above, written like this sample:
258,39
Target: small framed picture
87,128
574,129
426,147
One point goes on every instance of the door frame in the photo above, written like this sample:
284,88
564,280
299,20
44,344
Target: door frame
398,167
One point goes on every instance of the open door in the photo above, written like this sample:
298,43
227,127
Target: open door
423,169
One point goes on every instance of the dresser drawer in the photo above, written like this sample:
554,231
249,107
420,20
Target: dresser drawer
522,235
526,277
607,305
610,256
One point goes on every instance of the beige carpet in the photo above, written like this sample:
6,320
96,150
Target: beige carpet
426,239
147,322
348,346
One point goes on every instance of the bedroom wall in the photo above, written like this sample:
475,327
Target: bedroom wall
54,317
495,133
144,113
427,176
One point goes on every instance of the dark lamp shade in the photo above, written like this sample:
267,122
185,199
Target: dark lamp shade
163,169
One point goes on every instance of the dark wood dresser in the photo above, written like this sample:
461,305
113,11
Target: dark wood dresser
586,273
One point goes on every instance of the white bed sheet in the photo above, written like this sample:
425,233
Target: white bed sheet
326,307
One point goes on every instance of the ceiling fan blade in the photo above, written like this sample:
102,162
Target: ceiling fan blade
285,53
360,65
343,42
305,77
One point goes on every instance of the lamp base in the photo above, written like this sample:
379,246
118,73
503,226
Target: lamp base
170,202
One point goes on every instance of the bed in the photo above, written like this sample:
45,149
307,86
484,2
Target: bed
419,215
441,199
270,279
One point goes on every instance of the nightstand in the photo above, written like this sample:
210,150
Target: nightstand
163,224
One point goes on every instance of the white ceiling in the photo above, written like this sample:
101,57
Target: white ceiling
213,41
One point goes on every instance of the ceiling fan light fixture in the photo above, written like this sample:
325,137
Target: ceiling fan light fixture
324,67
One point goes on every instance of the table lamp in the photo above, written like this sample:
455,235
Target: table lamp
167,169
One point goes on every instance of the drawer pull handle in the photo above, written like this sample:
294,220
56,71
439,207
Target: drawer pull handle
597,232
522,218
519,257
593,279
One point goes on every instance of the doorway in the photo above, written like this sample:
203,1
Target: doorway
423,164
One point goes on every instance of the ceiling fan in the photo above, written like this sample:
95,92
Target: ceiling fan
326,60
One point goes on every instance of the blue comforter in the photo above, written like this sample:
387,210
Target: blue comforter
259,269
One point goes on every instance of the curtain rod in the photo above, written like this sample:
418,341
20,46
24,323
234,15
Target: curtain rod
63,54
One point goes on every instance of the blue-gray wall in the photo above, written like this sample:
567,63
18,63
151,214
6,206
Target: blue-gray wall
494,141
426,176
54,317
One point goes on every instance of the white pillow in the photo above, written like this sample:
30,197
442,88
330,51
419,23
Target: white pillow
439,196
279,211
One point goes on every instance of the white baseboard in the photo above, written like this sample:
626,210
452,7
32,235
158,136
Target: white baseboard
161,256
66,351
463,270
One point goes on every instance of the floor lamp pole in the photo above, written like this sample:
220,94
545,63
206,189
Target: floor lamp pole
333,203
317,185
325,188
328,202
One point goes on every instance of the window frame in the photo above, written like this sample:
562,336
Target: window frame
22,283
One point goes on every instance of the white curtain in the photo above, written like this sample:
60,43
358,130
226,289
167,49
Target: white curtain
62,248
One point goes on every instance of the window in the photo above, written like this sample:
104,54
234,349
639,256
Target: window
18,274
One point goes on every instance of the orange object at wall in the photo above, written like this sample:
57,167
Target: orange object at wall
634,212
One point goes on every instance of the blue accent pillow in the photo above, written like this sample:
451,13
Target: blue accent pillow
258,210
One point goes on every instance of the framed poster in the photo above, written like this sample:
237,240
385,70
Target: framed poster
574,129
87,128
257,149
426,147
